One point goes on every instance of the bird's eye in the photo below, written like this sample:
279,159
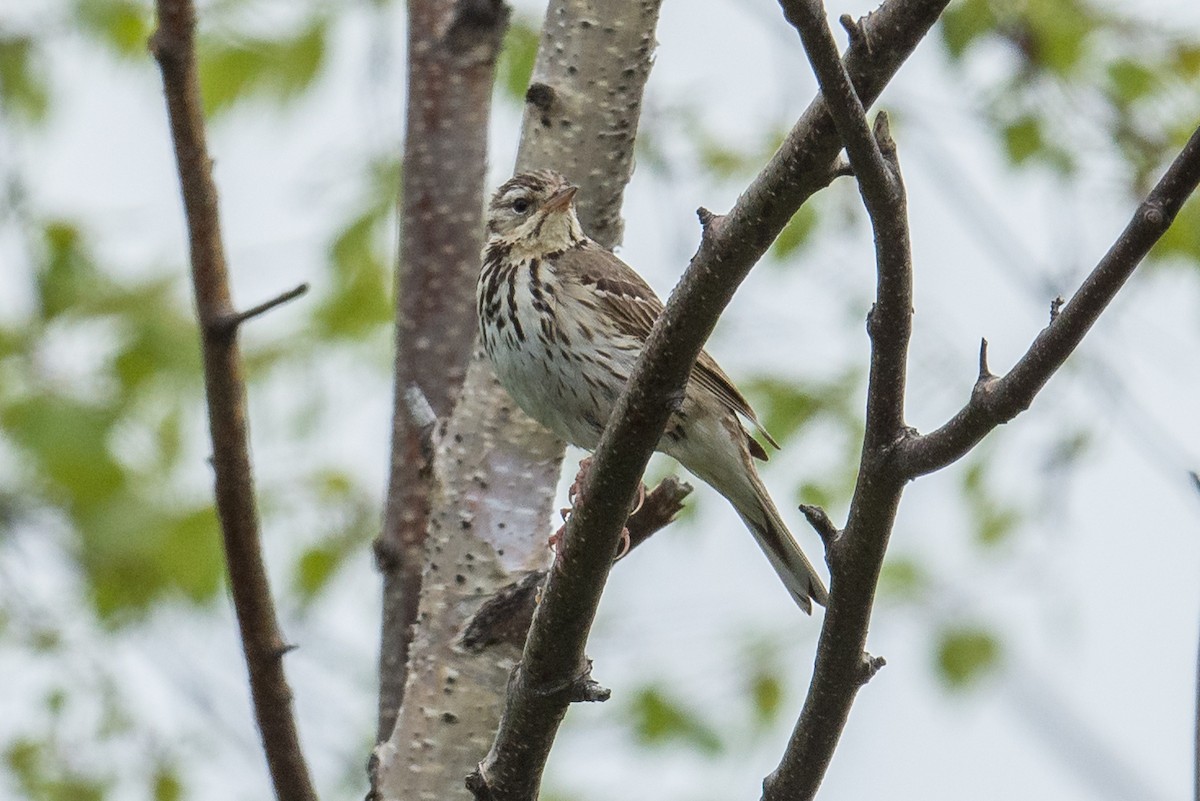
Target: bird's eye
520,205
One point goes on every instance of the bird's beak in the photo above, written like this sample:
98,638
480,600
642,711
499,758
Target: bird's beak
560,200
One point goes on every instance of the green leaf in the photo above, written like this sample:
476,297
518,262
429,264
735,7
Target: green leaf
66,441
517,58
122,25
67,276
1060,30
1185,59
279,69
796,233
1130,80
41,770
658,720
766,692
134,553
721,160
357,304
316,567
166,784
963,23
994,523
23,90
1023,139
902,578
159,342
1182,239
784,407
965,654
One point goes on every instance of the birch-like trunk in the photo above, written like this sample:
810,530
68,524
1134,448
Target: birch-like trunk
495,471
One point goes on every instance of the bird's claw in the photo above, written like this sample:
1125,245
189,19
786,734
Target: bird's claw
626,544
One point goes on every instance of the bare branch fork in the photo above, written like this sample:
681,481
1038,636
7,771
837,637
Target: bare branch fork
894,454
173,45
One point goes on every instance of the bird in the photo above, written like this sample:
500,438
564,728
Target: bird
562,320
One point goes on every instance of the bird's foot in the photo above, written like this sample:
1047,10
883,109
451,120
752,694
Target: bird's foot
625,545
641,499
575,492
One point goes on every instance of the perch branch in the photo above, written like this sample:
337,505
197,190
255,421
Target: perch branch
173,45
730,246
997,400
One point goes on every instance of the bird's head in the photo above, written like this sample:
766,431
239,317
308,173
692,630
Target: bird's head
535,212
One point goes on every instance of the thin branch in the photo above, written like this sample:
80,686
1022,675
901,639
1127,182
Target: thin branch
423,420
856,556
173,45
825,528
453,45
872,156
234,321
554,659
1000,400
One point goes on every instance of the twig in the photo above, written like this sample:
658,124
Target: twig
506,616
730,245
423,419
453,45
173,45
234,321
856,556
819,520
1004,398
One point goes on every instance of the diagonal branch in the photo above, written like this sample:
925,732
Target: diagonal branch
997,400
173,45
554,666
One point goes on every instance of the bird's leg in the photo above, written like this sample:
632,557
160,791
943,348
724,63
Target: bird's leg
574,493
557,536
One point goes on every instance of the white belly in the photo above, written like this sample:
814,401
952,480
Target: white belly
561,378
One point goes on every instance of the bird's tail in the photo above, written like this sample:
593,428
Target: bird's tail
762,518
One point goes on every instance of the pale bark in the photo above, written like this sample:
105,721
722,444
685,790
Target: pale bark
495,471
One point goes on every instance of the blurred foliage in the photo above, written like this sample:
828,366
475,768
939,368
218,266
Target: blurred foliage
1080,77
356,300
123,26
279,68
903,578
42,773
102,444
965,654
23,90
515,69
657,718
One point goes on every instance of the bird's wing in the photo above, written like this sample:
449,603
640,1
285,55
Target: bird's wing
627,297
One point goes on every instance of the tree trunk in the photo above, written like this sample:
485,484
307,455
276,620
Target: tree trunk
495,471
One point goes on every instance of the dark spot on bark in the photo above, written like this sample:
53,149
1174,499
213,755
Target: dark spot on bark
540,96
